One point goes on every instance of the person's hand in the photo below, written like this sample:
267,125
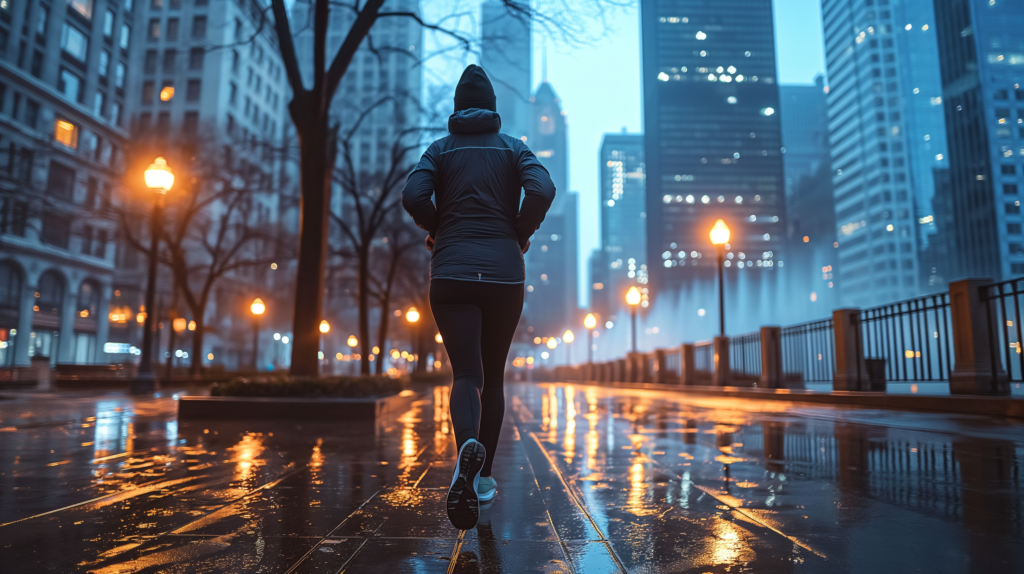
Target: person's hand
526,247
429,242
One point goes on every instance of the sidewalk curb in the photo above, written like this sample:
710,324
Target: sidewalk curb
965,405
267,408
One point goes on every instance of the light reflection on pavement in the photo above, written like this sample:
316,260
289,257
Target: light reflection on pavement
590,480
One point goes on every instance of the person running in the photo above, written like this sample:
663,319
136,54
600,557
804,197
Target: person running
477,233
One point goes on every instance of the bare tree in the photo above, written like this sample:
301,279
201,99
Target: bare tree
215,227
310,112
389,258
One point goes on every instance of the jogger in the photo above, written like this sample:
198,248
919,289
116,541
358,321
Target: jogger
477,232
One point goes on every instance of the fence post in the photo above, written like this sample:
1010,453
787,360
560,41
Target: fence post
850,372
975,339
771,357
687,369
621,374
721,376
660,374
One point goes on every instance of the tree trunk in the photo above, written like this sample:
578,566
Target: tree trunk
364,308
315,203
382,333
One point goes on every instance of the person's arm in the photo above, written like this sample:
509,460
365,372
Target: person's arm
539,192
417,192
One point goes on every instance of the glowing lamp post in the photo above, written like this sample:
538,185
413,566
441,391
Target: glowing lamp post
412,316
590,321
720,236
325,327
633,299
159,179
568,337
258,308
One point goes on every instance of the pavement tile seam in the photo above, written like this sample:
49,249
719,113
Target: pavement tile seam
575,500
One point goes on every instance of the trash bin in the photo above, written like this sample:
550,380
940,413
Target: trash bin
875,375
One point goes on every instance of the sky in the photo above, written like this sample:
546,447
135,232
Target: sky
600,87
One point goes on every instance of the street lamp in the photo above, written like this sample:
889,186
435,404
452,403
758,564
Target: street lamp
590,321
720,236
325,327
258,308
412,316
159,179
633,299
568,337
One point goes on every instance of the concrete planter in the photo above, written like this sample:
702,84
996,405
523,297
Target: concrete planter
267,408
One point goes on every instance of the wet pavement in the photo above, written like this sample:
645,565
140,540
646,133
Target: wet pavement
590,480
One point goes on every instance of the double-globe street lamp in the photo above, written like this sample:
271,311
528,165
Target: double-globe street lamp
159,179
590,321
633,298
258,308
720,236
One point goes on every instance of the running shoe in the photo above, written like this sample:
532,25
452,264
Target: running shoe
463,503
486,489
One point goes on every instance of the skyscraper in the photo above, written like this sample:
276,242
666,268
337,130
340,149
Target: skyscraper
506,55
551,264
63,74
622,259
981,51
887,137
711,135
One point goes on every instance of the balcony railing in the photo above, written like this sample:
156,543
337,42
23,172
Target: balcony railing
1003,304
808,351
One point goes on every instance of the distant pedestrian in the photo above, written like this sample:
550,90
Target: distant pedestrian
477,233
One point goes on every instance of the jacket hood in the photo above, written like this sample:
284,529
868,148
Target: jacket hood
473,121
474,90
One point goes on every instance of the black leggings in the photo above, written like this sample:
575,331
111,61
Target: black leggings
477,322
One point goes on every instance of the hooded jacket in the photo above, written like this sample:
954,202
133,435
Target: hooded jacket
476,176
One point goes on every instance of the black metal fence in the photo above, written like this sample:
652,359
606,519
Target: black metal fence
704,357
913,337
674,362
1004,302
745,355
808,351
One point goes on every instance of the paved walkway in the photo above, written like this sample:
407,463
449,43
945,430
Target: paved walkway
590,480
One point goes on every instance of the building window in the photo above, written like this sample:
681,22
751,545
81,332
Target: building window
119,72
128,4
170,59
44,15
191,123
97,103
145,119
83,7
199,27
104,64
154,29
126,34
234,61
231,125
74,43
31,118
232,94
1009,188
192,91
86,247
108,24
172,28
1013,208
13,217
60,182
150,63
91,193
1013,228
99,247
163,122
156,4
195,59
55,230
37,64
65,133
115,113
148,88
70,85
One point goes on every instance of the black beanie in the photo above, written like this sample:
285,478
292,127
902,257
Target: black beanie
474,90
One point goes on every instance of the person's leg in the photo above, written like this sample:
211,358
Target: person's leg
500,317
460,325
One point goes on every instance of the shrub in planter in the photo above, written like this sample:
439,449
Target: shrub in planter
327,387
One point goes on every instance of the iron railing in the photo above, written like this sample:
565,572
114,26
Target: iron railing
745,355
914,337
808,351
1003,304
704,357
674,362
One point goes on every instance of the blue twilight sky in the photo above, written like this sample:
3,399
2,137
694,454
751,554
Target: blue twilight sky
600,88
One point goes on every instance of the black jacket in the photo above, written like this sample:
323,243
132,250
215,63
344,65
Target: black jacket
475,175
